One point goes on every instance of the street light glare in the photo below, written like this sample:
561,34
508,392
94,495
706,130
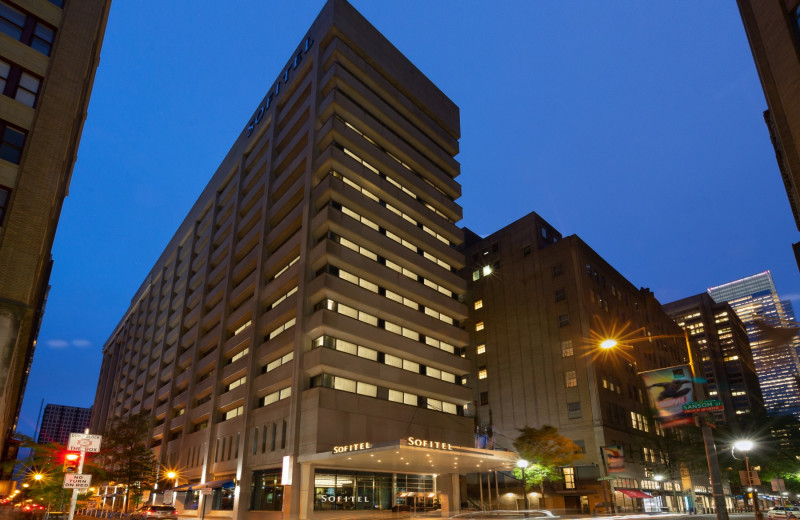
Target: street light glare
522,463
608,343
743,445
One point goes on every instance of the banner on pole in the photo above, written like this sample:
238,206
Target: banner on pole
668,390
615,458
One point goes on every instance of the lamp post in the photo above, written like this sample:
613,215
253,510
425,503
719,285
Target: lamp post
708,438
173,476
745,446
522,464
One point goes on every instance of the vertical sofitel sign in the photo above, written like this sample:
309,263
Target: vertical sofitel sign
276,88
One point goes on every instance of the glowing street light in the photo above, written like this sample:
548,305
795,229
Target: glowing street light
522,464
746,445
608,343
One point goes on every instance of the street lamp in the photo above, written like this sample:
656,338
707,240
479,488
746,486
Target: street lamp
708,437
173,476
522,464
745,445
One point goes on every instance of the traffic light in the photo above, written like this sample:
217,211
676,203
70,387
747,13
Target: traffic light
71,460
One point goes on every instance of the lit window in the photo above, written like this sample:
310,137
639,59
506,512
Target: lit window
569,478
566,348
482,373
476,275
478,304
479,326
571,378
480,349
487,270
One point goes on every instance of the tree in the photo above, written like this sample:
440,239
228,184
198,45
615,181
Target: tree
546,451
126,457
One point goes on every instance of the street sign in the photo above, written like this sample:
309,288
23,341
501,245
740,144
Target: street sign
84,442
77,481
709,405
778,484
606,478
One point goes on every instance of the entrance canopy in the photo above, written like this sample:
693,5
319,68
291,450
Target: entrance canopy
412,455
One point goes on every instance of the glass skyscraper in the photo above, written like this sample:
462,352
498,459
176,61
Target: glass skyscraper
773,338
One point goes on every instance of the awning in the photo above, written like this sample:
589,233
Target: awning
634,493
185,487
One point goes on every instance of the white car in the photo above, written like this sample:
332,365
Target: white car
783,513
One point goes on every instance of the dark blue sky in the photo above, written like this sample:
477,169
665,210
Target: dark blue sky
637,126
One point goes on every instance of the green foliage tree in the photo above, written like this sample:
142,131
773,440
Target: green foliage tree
126,457
546,451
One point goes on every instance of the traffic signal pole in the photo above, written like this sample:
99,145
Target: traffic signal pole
74,500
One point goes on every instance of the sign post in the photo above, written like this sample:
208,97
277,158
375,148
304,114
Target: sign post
84,443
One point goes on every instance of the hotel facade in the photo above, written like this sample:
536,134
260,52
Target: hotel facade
298,344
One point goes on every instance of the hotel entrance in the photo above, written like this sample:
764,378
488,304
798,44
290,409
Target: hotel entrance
409,476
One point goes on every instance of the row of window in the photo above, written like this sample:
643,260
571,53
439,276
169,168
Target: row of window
387,394
260,441
397,238
5,199
391,295
373,320
408,273
383,358
18,83
401,163
12,140
385,204
26,28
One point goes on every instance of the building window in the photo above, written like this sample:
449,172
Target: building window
526,251
566,348
480,349
57,3
26,29
5,197
557,270
19,84
478,304
569,478
574,410
479,326
482,373
484,398
561,295
563,320
11,142
571,378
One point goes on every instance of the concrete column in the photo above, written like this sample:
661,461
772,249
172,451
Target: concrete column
450,488
303,484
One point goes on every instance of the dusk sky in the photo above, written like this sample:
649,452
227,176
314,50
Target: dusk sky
636,126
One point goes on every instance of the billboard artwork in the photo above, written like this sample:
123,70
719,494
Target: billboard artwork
668,390
614,457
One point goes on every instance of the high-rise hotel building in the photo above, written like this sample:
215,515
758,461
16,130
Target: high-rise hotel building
297,344
49,51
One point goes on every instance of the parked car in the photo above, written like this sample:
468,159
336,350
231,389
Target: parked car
783,513
510,514
151,512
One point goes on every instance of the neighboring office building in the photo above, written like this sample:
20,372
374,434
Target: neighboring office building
773,31
539,306
775,352
297,344
59,421
721,347
49,51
